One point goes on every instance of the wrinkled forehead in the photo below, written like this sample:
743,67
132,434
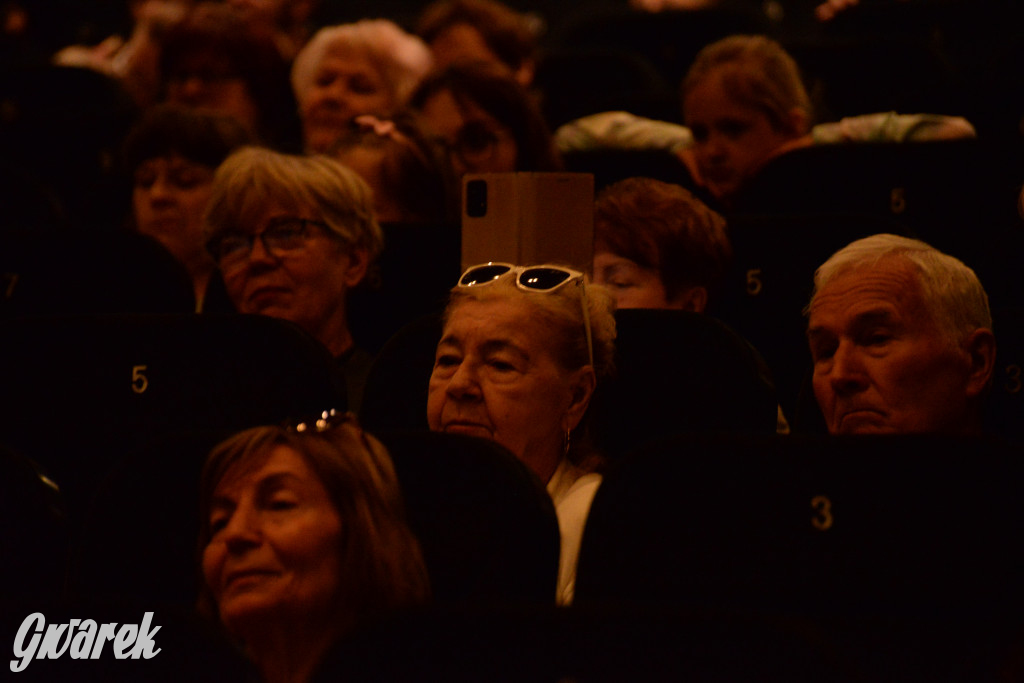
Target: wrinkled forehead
891,281
494,305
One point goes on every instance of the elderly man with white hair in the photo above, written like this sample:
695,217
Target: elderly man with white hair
901,338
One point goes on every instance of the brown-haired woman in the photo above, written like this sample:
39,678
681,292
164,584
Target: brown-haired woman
304,542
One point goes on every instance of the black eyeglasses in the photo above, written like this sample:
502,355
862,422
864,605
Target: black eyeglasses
543,278
282,235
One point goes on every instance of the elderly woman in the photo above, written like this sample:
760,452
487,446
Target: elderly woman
519,358
369,67
486,119
292,236
303,541
172,155
658,246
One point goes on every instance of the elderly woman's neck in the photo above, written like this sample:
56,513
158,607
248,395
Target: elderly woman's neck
335,335
289,655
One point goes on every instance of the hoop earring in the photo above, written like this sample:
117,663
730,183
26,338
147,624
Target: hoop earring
568,442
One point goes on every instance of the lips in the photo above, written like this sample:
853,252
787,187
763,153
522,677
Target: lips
860,420
262,297
467,427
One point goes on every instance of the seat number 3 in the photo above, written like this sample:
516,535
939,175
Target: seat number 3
822,518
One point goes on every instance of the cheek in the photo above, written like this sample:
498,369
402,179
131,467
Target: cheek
213,559
822,388
435,402
195,201
234,283
140,199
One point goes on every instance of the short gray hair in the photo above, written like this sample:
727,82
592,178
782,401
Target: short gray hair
952,291
252,178
402,58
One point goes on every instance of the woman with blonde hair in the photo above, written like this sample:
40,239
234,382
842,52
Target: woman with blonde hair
292,236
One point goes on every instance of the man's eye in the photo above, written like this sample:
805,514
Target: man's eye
878,338
279,504
620,284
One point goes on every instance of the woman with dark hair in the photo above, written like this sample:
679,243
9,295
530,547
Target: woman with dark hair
460,31
487,120
216,60
304,542
409,173
172,155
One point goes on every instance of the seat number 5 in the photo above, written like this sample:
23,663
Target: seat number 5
822,518
139,381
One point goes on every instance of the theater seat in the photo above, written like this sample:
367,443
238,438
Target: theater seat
137,542
84,391
487,526
395,395
771,279
33,532
902,549
679,372
63,273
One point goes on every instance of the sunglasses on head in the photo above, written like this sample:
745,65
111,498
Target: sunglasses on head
543,278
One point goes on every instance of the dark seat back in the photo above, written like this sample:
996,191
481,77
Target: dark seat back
900,550
395,395
770,282
817,525
679,372
487,526
86,390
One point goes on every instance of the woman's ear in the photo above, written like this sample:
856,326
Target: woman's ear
693,299
358,264
582,383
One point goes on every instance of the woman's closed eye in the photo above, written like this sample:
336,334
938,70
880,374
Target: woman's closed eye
218,521
620,283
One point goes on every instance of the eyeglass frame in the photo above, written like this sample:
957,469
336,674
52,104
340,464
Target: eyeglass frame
519,271
214,244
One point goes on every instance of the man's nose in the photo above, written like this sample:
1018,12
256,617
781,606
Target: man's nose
847,374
